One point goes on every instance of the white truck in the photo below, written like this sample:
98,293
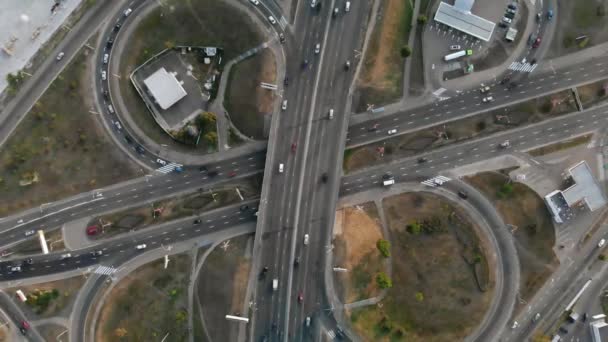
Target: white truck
457,55
505,144
275,284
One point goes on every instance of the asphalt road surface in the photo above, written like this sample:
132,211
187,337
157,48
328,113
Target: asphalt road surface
469,103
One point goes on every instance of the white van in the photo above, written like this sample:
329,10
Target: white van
347,7
306,238
275,284
331,114
281,167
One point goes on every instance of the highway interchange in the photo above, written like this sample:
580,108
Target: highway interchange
312,178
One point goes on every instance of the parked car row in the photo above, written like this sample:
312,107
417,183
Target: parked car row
509,16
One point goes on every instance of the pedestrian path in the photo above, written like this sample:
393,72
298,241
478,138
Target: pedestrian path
523,67
436,181
104,270
168,168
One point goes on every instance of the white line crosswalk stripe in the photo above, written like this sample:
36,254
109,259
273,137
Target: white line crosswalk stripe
436,181
523,67
331,334
104,270
168,168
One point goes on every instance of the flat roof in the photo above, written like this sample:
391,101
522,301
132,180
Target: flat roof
464,5
585,188
464,20
599,331
165,88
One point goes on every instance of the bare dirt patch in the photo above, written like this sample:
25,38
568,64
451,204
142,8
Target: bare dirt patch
60,148
49,332
534,234
381,79
563,145
593,94
50,299
249,105
441,280
148,304
54,241
457,131
355,249
228,266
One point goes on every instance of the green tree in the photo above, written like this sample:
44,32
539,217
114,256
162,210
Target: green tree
406,51
384,281
384,247
422,19
506,190
209,118
419,296
414,228
211,138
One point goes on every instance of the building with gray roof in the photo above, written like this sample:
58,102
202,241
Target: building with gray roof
459,17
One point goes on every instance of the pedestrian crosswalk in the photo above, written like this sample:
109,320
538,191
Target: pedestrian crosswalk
436,181
104,270
523,67
331,334
283,22
168,168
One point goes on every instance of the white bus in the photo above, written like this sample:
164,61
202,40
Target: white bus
457,55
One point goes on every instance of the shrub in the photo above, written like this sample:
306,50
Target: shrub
384,281
422,19
419,296
602,257
414,228
406,51
384,247
505,191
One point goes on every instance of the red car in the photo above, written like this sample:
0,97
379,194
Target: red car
536,43
300,297
293,147
25,325
92,230
232,174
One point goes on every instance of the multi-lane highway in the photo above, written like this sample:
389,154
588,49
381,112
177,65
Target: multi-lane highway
469,102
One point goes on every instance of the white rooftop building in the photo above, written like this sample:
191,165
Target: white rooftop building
460,18
165,88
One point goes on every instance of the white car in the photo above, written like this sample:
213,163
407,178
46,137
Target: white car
506,20
284,105
272,20
601,243
281,168
66,256
306,238
117,124
142,246
105,58
331,114
487,99
484,88
127,12
392,131
15,269
455,47
60,56
161,162
30,232
104,75
255,2
317,48
347,6
313,3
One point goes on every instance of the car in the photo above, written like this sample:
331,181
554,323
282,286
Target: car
92,230
105,58
106,94
347,65
537,42
281,38
30,233
510,15
317,48
335,12
503,25
330,115
161,162
65,256
463,194
284,105
212,174
563,330
304,64
601,243
197,221
539,17
60,56
232,174
29,261
255,2
296,262
505,144
455,47
306,238
128,139
104,75
25,325
388,176
98,252
515,325
307,321
109,43
142,246
286,81
300,297
422,160
244,207
272,20
293,147
347,6
202,169
117,124
585,317
110,109
373,128
15,269
324,177
281,168
511,11
506,20
512,6
536,317
549,15
140,149
117,26
484,88
23,330
127,12
487,99
392,131
531,39
533,61
313,3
